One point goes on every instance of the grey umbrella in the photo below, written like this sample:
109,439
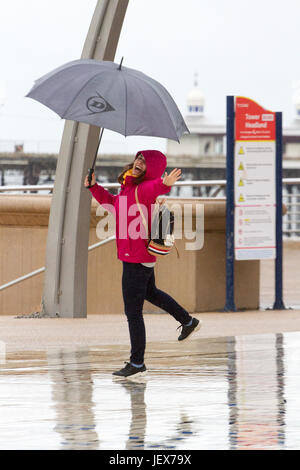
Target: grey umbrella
110,96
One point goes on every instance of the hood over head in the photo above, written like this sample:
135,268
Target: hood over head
156,163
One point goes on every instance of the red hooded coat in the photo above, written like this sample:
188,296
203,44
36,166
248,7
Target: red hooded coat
130,249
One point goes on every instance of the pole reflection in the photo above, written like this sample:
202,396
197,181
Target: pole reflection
72,393
256,392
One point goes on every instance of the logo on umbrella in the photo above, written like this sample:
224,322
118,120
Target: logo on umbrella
97,104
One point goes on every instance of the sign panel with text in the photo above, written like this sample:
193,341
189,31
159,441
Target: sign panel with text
254,181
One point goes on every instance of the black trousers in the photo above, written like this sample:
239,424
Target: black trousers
138,284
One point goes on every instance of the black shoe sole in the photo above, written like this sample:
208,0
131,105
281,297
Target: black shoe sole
138,375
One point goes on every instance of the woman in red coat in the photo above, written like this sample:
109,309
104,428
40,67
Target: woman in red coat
138,280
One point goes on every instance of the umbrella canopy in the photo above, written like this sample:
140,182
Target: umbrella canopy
108,95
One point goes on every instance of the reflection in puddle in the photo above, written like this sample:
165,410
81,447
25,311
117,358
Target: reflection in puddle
256,393
226,393
72,390
136,435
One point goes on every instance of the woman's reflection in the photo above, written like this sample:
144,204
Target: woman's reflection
137,431
136,436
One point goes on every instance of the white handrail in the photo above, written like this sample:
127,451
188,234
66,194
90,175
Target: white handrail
41,270
38,187
49,187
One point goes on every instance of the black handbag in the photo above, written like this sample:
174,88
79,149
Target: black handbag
162,239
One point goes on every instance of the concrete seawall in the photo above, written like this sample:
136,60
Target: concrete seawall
196,279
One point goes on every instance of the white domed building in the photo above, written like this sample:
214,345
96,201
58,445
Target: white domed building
297,105
291,136
206,139
195,101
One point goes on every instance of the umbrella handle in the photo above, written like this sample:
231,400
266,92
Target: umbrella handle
90,175
91,170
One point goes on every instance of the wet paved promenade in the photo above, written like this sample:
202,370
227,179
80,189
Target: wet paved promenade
233,386
214,393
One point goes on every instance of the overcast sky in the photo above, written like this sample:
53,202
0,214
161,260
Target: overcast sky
238,47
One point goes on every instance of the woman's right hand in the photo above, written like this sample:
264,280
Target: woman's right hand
86,181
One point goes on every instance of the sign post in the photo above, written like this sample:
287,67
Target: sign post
278,304
230,304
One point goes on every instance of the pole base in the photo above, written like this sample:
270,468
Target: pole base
279,305
230,308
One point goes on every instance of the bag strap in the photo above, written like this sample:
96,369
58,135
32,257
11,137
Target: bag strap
141,211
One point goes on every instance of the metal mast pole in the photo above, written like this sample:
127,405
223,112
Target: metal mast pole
65,281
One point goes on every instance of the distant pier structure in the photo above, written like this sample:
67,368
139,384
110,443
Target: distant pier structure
31,165
42,166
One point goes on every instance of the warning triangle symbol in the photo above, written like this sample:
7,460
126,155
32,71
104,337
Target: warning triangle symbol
241,167
241,151
241,183
241,198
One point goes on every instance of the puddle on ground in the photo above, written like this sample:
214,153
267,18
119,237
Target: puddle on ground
226,393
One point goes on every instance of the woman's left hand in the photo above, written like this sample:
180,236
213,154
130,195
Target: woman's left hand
161,202
170,179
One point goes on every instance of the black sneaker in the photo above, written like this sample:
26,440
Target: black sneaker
129,370
188,330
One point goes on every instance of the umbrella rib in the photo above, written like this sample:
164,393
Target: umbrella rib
170,116
161,99
125,130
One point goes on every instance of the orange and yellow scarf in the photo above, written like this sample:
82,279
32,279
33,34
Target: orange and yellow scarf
128,173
